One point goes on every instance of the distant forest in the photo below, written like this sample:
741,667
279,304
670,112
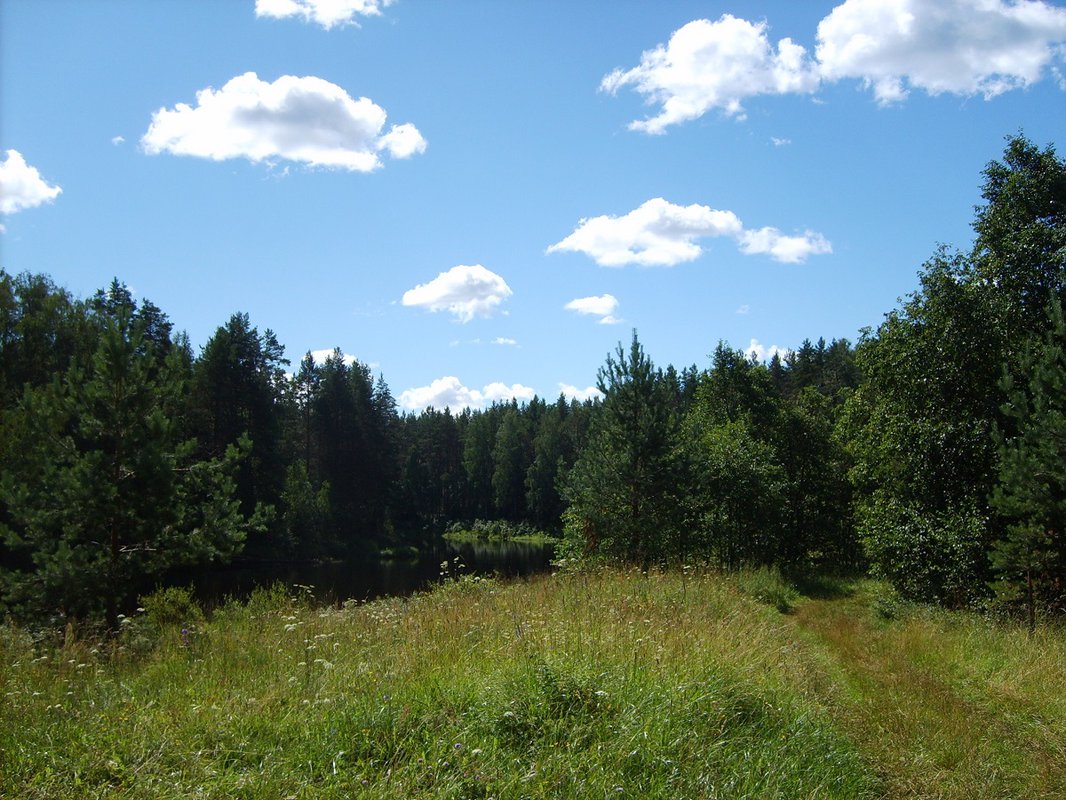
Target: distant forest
931,452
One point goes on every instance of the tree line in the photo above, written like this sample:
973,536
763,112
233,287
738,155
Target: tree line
932,452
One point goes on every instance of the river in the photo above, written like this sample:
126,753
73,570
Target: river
367,579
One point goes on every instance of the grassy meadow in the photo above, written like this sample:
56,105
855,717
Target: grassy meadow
583,685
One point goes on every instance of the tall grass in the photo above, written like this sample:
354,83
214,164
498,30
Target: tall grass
571,686
606,684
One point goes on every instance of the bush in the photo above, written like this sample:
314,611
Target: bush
930,557
171,607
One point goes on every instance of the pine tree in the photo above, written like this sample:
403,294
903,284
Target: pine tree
102,492
623,490
1030,560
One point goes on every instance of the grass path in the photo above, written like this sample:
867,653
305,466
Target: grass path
939,717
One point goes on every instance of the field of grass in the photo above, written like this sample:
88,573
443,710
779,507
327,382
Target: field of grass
675,685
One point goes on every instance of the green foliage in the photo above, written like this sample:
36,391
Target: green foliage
353,422
740,497
494,530
1020,251
306,514
931,557
102,491
767,476
233,393
172,607
921,426
625,489
1030,559
42,330
512,456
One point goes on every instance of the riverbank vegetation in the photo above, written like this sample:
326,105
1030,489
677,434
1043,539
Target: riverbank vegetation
483,530
932,452
686,683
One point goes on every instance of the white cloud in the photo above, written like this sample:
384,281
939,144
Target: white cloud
442,393
501,340
761,352
320,357
308,120
117,140
744,309
963,47
581,395
403,141
21,186
603,306
780,142
501,393
659,233
327,13
708,65
449,392
465,291
787,249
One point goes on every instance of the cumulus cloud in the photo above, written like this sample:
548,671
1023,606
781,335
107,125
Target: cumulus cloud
307,120
761,352
449,392
327,13
581,395
465,291
964,47
657,233
663,234
21,186
713,65
786,249
505,342
744,309
320,357
779,141
603,306
502,393
117,140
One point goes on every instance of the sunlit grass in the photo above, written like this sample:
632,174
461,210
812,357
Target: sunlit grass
951,704
576,685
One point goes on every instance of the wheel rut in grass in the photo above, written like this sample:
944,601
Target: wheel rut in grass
921,734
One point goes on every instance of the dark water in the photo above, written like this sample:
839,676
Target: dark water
367,579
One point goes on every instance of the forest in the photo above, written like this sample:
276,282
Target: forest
931,452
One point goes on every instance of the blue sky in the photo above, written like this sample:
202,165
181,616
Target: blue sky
524,182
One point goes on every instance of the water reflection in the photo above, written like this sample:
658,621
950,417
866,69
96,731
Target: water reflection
371,578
